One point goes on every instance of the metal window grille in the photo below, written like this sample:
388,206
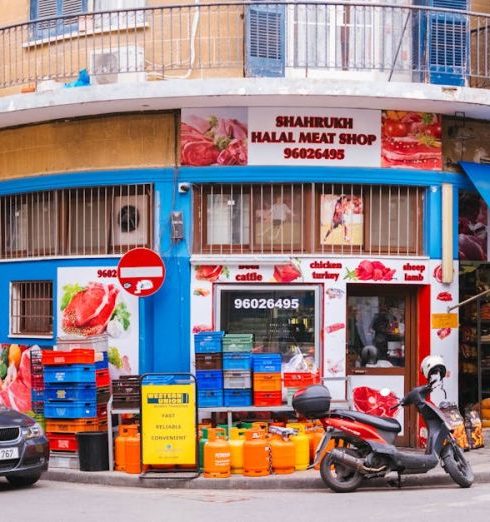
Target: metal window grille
301,218
78,221
31,308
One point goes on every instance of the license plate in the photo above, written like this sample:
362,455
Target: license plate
9,453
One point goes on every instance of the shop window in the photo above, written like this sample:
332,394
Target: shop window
31,308
366,218
282,319
250,218
81,221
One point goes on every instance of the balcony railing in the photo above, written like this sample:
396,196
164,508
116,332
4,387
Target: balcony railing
346,39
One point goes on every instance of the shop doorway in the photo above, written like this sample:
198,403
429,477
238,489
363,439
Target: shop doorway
382,350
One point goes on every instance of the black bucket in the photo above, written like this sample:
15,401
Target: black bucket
93,451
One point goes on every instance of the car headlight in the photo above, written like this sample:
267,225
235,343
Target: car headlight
32,432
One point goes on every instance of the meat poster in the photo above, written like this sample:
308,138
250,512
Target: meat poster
411,140
472,227
91,302
15,377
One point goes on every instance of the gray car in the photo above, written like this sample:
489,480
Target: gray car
24,450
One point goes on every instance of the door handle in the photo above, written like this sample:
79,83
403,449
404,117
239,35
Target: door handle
359,372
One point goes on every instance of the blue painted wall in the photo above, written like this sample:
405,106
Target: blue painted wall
165,316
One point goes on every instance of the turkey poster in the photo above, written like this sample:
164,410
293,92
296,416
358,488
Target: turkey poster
91,302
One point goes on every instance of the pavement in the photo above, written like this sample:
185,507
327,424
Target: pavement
299,480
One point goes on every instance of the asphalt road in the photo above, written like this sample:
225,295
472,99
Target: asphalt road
63,502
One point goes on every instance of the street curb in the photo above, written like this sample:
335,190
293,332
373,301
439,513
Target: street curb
309,481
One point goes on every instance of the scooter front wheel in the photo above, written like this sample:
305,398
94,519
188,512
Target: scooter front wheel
339,477
456,465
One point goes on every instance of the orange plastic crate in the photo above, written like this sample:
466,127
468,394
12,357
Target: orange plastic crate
267,382
75,356
268,398
72,426
62,442
300,379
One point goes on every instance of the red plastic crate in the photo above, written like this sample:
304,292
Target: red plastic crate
102,411
300,379
102,378
75,356
62,442
268,398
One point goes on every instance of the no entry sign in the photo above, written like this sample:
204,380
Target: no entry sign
141,272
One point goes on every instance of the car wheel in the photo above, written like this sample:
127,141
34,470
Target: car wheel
19,481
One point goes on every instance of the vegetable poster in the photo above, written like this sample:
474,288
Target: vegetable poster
91,302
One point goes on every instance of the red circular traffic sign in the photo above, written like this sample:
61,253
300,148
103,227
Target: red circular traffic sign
141,272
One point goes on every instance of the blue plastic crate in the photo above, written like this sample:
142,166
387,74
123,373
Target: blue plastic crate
37,395
74,392
266,362
237,361
238,397
209,380
73,373
210,398
208,342
104,363
70,410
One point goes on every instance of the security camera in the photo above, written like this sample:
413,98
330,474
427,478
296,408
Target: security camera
184,187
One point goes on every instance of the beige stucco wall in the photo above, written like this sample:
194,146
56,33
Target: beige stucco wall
120,141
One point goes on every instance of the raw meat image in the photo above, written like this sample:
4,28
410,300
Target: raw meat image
88,310
411,140
369,400
15,377
472,227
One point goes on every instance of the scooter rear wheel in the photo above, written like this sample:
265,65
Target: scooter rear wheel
338,477
456,465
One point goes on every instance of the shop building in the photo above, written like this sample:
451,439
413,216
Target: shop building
310,199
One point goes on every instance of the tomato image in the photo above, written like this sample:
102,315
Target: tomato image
395,129
434,130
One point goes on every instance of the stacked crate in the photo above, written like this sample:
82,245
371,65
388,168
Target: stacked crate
209,372
37,386
267,380
294,381
76,394
126,392
237,381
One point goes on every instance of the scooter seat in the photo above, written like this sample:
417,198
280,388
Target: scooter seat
382,423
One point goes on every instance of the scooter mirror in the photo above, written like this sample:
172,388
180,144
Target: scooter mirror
384,392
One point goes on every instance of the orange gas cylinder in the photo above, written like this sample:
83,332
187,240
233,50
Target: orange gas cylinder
315,436
217,455
237,439
125,431
302,446
283,454
256,454
133,456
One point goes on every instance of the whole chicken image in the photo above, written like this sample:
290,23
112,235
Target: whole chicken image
90,309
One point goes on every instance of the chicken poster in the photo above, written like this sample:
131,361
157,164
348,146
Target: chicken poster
91,303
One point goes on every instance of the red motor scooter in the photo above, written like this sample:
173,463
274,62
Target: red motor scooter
357,446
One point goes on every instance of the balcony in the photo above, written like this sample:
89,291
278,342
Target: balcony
345,40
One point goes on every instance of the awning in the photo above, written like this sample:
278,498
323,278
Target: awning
479,174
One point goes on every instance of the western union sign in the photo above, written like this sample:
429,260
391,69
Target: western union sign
168,424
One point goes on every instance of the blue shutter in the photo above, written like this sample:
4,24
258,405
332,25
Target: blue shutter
265,40
443,42
51,9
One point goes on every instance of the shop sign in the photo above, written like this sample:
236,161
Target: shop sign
168,423
445,321
314,136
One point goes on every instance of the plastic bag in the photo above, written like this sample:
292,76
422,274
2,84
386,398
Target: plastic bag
473,427
456,423
82,80
297,362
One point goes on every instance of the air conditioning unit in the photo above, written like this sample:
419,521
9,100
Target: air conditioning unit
130,221
122,64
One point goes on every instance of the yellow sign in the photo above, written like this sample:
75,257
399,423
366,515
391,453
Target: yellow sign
168,424
445,321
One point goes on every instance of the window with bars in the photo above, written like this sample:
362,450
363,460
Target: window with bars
31,308
303,218
78,221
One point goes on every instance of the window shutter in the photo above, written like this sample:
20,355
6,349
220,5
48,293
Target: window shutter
448,44
53,8
265,40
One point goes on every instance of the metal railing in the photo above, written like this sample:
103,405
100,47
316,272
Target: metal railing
349,39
